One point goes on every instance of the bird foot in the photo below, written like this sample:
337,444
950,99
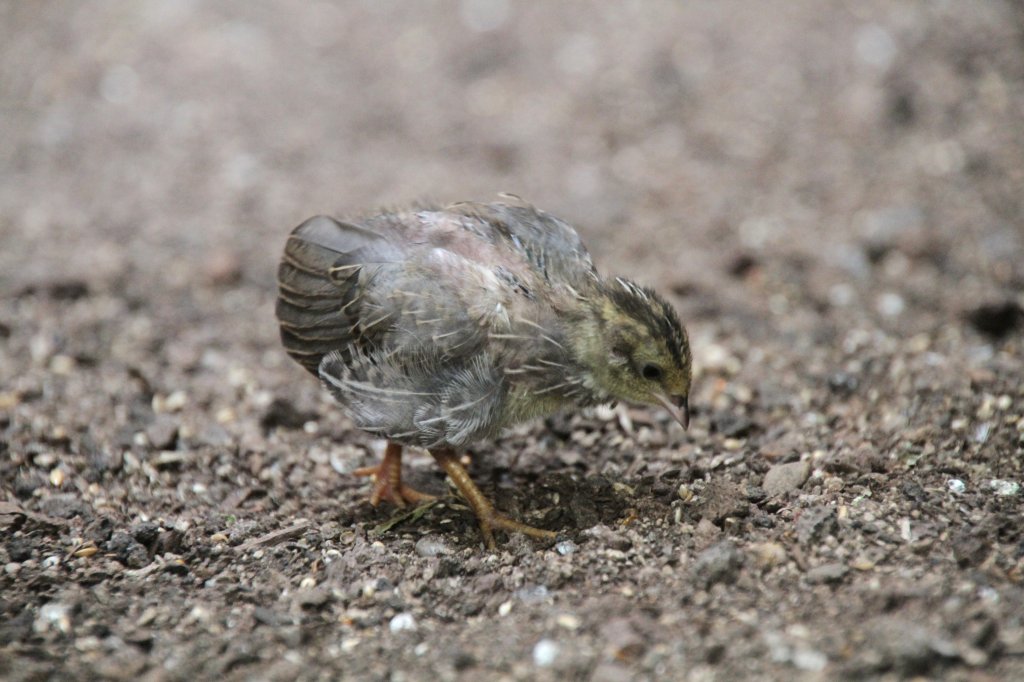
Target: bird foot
387,481
388,490
491,520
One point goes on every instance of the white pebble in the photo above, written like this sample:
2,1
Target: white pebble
402,622
890,304
1004,488
956,486
54,615
544,653
566,547
568,621
981,433
430,546
874,46
809,659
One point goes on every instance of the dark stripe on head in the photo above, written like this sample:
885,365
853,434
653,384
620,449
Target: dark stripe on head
648,308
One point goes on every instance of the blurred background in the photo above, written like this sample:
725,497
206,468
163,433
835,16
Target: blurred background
832,194
791,174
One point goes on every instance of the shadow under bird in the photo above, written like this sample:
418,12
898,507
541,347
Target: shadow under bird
439,327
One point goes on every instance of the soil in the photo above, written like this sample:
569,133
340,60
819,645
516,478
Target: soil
831,193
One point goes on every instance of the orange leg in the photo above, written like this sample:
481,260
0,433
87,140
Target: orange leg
485,513
387,480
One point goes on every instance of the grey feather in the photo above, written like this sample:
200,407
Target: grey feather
426,325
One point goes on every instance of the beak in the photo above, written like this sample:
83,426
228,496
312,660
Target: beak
678,406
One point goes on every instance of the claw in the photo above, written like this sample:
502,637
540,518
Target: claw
387,480
489,518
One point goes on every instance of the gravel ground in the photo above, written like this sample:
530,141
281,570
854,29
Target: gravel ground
830,192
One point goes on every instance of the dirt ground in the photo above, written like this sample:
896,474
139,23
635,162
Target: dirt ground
831,193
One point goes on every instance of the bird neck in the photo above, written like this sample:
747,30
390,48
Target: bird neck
586,331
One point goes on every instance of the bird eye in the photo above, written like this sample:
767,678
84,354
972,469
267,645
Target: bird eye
651,372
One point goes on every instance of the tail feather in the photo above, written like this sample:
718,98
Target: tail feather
318,286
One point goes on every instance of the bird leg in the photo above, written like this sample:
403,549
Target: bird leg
488,517
387,480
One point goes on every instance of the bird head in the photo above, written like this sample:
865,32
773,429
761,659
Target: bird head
640,352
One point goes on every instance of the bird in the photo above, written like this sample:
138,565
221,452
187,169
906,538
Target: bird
437,326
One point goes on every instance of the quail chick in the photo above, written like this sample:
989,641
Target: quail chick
439,327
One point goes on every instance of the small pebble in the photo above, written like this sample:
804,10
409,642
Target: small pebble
982,432
402,622
784,478
890,305
54,615
62,364
45,460
163,432
769,554
809,659
1004,488
827,573
566,547
568,621
533,594
431,546
956,486
545,652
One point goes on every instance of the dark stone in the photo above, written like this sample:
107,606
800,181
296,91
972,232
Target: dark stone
163,432
843,383
17,628
971,548
100,530
283,413
63,507
996,320
127,550
176,568
463,660
67,290
19,549
814,525
913,490
719,563
26,483
902,110
742,265
722,499
168,541
145,533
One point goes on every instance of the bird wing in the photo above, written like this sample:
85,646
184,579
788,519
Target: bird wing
417,397
323,273
551,246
